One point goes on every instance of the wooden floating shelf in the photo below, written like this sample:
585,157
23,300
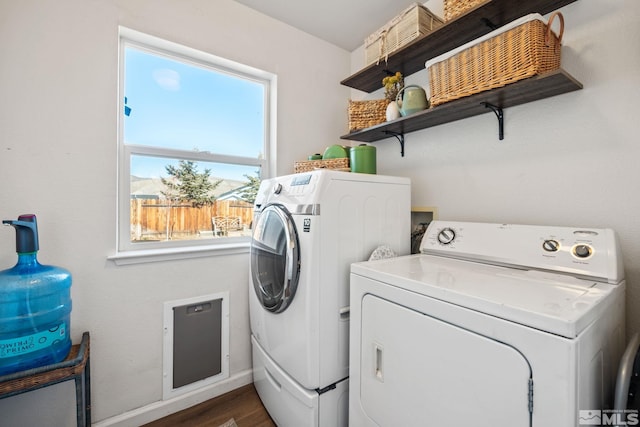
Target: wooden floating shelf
473,24
532,89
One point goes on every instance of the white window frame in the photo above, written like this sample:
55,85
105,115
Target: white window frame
128,252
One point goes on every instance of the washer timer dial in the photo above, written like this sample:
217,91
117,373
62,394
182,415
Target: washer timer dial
446,236
582,251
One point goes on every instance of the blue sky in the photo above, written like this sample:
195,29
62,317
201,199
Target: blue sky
184,106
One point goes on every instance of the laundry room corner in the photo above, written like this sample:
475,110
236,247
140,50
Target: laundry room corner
196,167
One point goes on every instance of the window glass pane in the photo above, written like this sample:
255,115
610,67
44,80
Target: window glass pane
174,199
193,144
180,105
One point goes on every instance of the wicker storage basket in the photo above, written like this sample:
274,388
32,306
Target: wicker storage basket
523,51
413,22
306,166
455,8
364,114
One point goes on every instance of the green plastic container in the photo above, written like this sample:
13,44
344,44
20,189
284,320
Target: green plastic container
363,159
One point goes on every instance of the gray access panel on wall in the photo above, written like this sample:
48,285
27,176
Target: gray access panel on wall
197,339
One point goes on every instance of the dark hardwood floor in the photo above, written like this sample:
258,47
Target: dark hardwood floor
242,404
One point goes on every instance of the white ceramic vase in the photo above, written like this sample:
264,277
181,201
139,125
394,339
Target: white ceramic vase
392,111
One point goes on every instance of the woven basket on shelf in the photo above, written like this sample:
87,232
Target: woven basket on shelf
516,54
307,166
413,22
364,114
455,8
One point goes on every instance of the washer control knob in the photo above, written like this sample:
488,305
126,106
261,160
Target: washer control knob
551,245
277,189
582,251
446,236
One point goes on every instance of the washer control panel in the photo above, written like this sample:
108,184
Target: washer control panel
288,190
584,252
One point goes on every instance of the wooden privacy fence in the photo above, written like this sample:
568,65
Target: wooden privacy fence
153,219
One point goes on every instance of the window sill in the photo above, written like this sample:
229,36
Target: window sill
171,254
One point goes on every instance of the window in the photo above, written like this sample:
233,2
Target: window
193,145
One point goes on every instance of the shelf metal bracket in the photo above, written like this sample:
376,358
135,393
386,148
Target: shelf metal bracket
500,115
399,137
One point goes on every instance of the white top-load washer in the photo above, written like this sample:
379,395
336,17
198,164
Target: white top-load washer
307,230
491,325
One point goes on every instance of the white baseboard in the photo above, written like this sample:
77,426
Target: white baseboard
162,408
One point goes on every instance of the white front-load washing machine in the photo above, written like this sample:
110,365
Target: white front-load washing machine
491,325
307,230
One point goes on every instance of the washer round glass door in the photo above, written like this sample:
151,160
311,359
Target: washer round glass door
275,258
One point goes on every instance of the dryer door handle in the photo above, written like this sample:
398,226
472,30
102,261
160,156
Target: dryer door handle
344,313
378,357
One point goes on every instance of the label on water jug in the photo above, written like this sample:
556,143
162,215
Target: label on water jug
30,343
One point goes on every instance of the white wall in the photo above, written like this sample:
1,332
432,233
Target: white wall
568,160
58,112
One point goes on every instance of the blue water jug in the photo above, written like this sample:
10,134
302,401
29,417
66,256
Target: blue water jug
35,306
